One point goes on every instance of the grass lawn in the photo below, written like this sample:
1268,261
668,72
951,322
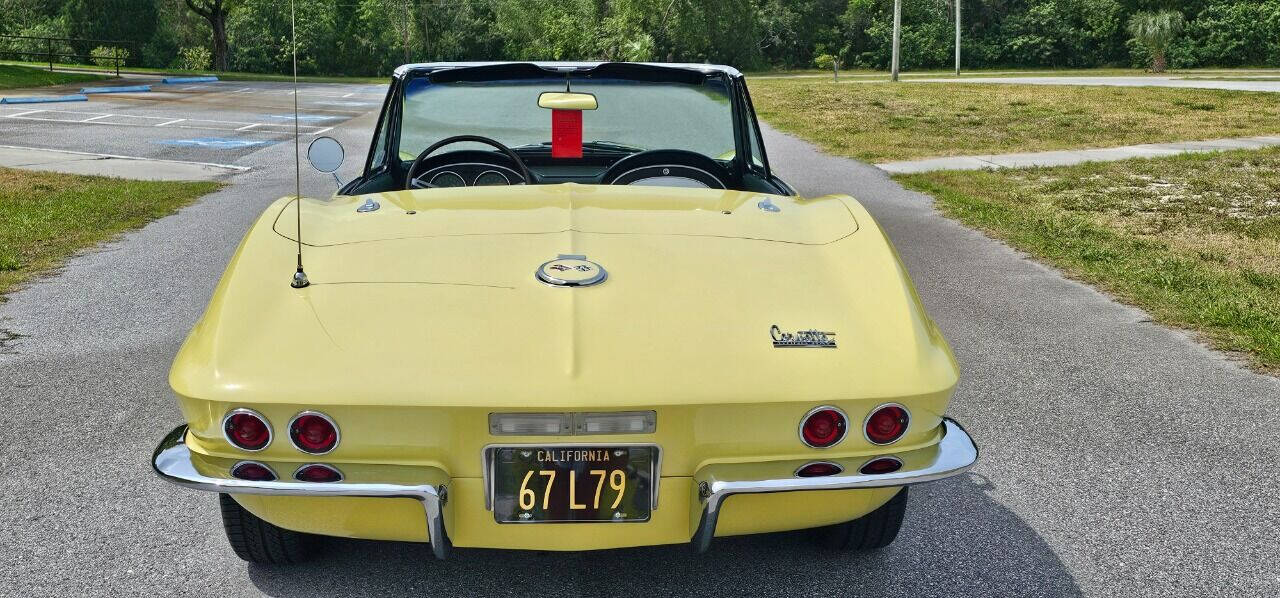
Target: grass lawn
46,217
1192,239
12,77
881,122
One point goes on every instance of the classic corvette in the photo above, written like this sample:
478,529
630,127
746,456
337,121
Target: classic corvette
565,306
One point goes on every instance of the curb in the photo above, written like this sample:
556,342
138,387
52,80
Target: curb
128,89
232,167
174,80
45,99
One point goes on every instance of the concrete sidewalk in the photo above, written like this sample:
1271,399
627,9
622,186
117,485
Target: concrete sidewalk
1120,81
1068,157
128,167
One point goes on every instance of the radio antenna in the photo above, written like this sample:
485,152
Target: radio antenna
299,277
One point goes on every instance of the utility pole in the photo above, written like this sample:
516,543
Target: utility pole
897,35
957,38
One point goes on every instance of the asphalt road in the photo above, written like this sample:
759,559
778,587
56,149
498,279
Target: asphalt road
1119,458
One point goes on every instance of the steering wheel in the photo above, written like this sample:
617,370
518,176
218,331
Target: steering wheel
411,179
667,164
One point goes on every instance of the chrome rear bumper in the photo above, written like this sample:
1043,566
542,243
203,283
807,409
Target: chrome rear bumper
954,454
173,462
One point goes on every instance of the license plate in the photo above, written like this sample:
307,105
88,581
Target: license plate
568,484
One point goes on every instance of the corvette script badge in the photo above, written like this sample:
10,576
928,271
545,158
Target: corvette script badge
571,271
805,339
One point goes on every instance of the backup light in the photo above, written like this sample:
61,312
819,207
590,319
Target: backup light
246,429
625,422
569,424
529,424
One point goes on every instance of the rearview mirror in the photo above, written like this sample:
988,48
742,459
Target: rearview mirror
326,154
558,100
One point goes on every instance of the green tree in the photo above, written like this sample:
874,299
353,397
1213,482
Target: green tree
215,12
1155,31
115,20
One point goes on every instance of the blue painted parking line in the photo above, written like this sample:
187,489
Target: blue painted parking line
176,80
44,99
215,142
125,89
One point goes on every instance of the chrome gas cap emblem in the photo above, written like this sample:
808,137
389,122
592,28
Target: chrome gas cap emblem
571,271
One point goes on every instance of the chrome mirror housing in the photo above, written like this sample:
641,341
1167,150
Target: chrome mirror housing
326,154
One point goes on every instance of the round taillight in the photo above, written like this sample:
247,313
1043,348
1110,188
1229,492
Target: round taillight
818,469
313,432
881,465
823,427
247,429
318,473
887,423
253,472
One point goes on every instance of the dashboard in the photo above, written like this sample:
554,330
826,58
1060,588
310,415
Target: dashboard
663,168
470,174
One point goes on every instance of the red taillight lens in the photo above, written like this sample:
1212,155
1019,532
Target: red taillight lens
253,472
247,430
887,424
881,465
818,469
318,473
823,427
313,433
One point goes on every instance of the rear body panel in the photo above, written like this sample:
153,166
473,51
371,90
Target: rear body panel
418,326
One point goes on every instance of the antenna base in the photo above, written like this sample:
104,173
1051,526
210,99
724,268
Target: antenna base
300,280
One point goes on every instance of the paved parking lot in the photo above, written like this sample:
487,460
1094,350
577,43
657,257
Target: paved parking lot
222,122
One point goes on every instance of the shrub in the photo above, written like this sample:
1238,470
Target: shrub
196,58
1243,34
106,56
825,61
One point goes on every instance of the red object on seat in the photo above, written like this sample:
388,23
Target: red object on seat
566,133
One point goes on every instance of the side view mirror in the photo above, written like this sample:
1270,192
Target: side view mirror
326,154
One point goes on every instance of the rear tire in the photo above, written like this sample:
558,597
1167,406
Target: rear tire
876,529
257,541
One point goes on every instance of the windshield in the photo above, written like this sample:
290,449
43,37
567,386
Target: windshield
643,115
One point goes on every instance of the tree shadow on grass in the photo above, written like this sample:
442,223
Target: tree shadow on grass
956,540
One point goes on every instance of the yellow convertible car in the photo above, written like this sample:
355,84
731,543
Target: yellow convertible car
566,306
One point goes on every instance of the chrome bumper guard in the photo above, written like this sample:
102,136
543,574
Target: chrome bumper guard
955,453
173,462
